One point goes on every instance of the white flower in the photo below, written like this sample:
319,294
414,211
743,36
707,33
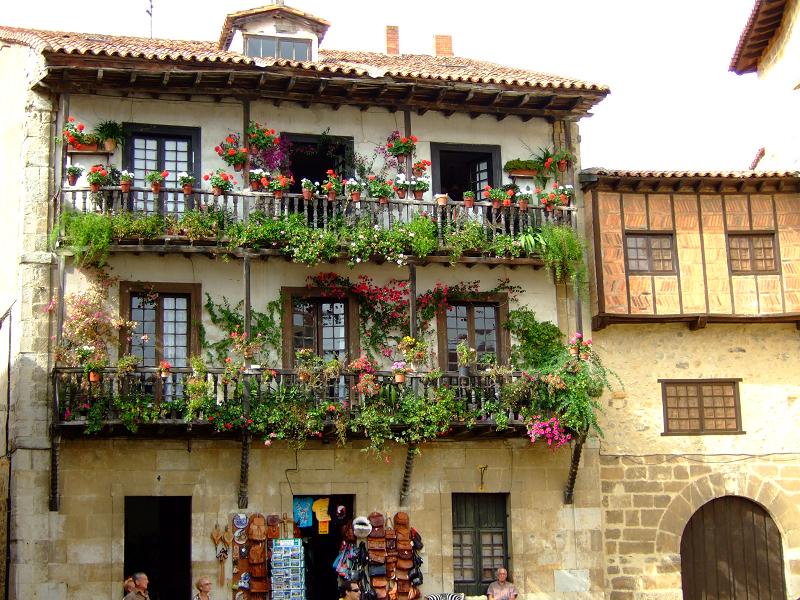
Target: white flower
358,260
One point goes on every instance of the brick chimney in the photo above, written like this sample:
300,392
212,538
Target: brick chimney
443,45
392,39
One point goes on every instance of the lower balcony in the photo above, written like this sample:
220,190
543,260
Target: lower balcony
282,405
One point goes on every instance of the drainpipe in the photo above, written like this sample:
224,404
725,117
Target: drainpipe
7,579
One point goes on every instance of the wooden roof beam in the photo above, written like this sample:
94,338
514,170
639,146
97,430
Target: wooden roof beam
323,83
412,88
231,77
500,116
165,79
99,75
199,77
496,98
522,100
290,84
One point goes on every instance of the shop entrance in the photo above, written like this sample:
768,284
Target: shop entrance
158,542
321,549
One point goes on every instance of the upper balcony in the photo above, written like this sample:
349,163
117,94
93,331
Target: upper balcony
303,230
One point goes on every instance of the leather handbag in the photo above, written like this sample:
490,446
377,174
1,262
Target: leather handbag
376,544
409,554
403,585
347,532
376,519
401,575
379,581
259,586
381,593
405,563
377,570
377,557
258,554
377,532
273,526
259,570
258,528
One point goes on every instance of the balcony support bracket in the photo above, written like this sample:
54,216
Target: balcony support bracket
569,491
244,471
410,456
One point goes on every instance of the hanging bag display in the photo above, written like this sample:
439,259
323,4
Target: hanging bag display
257,530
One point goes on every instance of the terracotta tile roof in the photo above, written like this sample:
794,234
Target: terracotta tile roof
600,172
237,18
761,27
362,64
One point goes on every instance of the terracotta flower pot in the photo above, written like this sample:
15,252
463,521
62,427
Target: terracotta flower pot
469,202
187,189
523,205
217,191
574,351
238,168
355,196
331,196
255,185
495,203
95,187
94,376
278,193
584,356
418,195
307,194
156,187
401,194
72,179
441,199
84,147
399,377
110,145
548,207
383,200
401,159
562,165
418,172
125,186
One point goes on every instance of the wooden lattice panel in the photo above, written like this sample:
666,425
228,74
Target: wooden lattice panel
641,294
666,295
737,214
787,207
717,278
659,208
690,254
615,288
769,294
635,211
763,218
745,295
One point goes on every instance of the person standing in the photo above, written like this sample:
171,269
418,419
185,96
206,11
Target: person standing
350,590
502,589
203,585
139,592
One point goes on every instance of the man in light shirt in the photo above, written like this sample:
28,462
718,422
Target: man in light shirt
502,589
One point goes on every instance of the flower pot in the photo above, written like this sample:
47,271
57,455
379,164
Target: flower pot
548,207
401,159
307,194
238,168
110,145
399,377
418,172
463,370
574,351
125,186
418,195
84,147
523,205
187,189
278,193
495,203
331,196
94,377
95,187
507,202
383,200
303,376
217,191
72,179
355,196
584,356
441,199
401,194
562,165
156,187
469,202
255,186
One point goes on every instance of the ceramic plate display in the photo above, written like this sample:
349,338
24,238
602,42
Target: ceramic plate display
240,537
240,520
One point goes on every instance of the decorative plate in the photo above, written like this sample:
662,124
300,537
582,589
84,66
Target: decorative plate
240,537
240,520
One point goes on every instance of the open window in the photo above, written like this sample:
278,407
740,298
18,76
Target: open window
457,168
312,155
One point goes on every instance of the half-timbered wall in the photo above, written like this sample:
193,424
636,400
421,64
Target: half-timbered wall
703,280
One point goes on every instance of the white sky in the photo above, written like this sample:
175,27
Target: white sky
673,103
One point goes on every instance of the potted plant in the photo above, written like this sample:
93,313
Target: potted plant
419,168
307,364
126,364
400,186
469,199
309,188
380,189
156,179
465,357
73,172
110,133
231,152
496,195
93,368
164,368
399,370
186,181
332,185
74,134
401,147
518,167
261,137
97,177
577,346
332,369
278,185
354,187
255,176
545,158
560,195
220,182
563,158
414,351
523,200
125,181
419,186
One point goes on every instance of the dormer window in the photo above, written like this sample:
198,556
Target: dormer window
268,46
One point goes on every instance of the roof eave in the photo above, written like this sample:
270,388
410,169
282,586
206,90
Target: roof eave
764,21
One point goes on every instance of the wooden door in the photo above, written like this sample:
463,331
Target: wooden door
731,549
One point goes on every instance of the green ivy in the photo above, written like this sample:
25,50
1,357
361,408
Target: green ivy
88,235
230,318
538,342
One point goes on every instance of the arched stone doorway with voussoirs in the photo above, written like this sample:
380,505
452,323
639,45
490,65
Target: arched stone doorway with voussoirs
731,548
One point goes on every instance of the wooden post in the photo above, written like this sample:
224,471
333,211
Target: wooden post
569,490
407,130
246,141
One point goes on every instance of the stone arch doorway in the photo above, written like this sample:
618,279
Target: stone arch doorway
731,548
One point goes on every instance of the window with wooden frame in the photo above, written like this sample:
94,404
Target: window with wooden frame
326,325
480,540
650,253
477,321
708,406
167,319
752,252
270,46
